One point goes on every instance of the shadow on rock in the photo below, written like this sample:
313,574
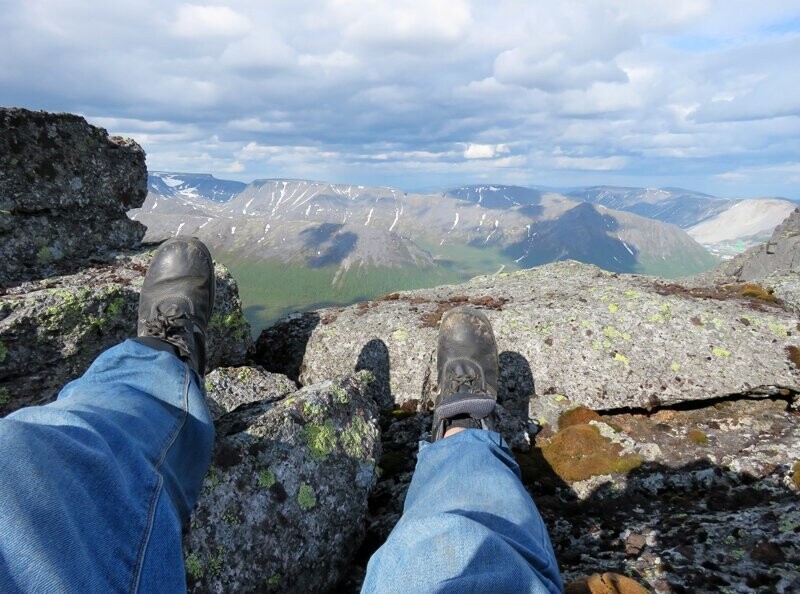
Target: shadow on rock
281,348
515,387
374,357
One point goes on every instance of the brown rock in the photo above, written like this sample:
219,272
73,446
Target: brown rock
607,583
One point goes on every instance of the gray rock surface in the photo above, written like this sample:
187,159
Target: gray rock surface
284,502
64,189
775,265
230,387
655,424
603,340
51,330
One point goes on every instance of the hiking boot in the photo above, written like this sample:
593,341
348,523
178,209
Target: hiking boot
467,367
176,300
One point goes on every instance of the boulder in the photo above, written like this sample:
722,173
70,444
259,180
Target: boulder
601,340
64,189
775,265
284,502
52,330
230,387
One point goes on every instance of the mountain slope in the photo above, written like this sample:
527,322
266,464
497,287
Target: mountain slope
752,218
356,239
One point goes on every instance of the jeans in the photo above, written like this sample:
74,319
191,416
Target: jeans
95,486
468,525
94,489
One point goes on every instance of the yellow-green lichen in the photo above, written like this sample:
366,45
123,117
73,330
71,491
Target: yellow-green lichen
718,352
3,351
676,367
233,323
320,439
622,358
306,498
243,374
632,294
194,567
273,580
44,256
613,307
779,330
355,437
215,563
339,394
230,517
400,335
4,396
266,478
365,378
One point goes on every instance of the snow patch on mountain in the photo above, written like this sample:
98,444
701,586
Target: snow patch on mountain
747,218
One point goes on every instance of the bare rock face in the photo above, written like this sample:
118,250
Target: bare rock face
283,504
775,265
602,340
227,388
654,423
64,189
52,330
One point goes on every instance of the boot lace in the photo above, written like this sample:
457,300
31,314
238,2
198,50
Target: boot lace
166,327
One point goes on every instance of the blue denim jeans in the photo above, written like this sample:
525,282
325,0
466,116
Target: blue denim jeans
468,525
95,486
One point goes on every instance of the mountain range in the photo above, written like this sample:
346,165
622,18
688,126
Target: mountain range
307,244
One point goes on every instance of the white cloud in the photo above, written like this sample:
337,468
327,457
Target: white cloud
590,163
427,92
410,25
484,151
199,22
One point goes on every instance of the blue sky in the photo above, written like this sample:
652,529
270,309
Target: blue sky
427,94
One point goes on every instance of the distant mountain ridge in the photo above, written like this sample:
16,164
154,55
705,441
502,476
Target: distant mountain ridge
332,243
278,218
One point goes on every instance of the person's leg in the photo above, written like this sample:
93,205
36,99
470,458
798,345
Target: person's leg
468,525
95,486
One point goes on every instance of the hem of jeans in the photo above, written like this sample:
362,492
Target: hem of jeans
159,483
485,435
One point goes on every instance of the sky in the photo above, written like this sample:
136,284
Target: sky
429,94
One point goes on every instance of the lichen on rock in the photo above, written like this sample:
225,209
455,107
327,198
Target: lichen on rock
295,474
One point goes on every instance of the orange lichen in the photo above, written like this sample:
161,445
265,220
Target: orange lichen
794,355
697,436
579,452
577,416
756,292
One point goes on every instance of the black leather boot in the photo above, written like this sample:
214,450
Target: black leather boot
176,300
467,366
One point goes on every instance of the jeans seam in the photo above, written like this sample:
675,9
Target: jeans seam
159,483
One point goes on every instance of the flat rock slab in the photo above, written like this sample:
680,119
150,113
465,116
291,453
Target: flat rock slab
228,388
602,340
52,330
284,503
